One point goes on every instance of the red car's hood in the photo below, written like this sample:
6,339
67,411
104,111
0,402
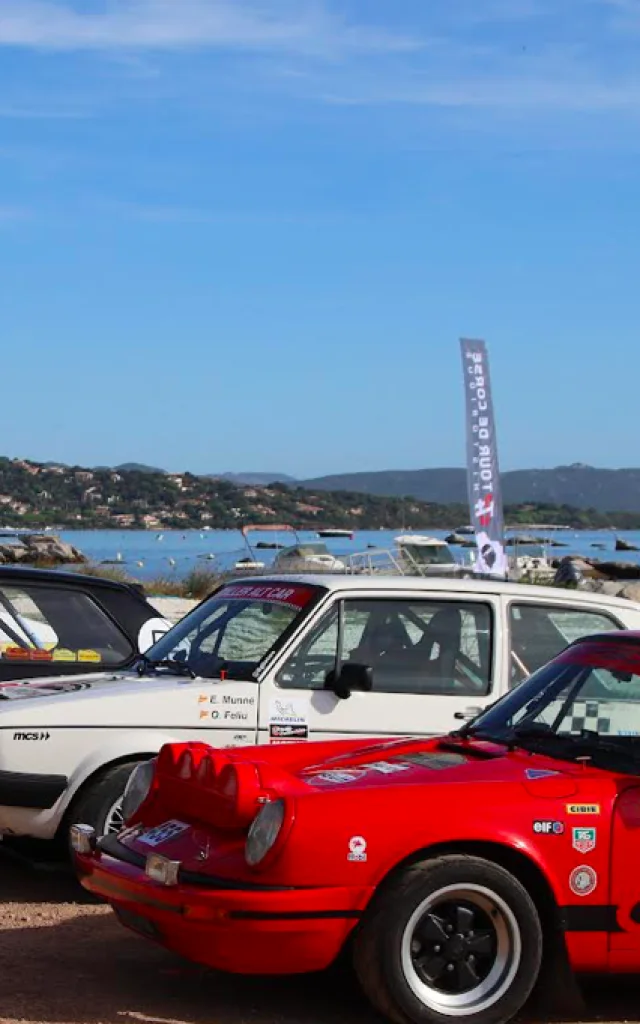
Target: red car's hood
224,788
424,762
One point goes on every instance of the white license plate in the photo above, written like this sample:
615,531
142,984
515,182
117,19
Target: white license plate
163,833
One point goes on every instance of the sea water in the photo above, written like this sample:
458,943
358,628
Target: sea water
146,554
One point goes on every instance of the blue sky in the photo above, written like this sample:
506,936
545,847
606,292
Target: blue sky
248,234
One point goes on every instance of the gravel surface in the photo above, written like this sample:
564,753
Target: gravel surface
64,960
172,608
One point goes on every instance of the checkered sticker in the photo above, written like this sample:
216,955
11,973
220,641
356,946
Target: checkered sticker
586,715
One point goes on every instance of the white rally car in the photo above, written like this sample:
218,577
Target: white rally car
281,659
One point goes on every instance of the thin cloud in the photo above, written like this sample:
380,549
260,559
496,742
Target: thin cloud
166,25
40,112
11,214
501,93
625,14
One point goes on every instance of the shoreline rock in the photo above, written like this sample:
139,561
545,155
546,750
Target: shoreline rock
625,545
41,549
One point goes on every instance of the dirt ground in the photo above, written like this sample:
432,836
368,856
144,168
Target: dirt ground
65,961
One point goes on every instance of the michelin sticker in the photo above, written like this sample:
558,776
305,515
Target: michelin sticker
288,720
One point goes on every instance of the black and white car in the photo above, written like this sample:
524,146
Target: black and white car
64,623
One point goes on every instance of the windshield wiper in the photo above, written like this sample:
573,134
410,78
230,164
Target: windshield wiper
585,744
181,668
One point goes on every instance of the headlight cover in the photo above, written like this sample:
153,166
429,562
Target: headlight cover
264,831
137,788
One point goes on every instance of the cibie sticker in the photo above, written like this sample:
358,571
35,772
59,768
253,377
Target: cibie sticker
583,808
357,849
583,880
584,839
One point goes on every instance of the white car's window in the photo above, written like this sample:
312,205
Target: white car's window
539,632
47,624
412,647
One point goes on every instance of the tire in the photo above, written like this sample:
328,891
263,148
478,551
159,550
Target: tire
454,907
97,804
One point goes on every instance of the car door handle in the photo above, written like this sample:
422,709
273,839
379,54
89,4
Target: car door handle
467,714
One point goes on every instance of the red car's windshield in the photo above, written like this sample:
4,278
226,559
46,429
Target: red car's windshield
585,703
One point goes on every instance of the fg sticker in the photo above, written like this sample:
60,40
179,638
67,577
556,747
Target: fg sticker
386,768
548,828
338,777
583,880
163,833
357,849
584,839
583,808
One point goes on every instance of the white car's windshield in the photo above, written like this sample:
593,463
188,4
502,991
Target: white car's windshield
234,630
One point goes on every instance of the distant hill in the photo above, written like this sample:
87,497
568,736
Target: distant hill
259,479
578,485
35,495
137,467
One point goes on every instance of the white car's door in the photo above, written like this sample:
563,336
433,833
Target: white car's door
430,657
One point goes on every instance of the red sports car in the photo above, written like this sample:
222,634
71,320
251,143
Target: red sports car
445,867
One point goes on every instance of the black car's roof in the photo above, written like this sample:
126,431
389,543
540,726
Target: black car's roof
23,572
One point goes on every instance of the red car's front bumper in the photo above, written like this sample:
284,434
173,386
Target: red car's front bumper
243,931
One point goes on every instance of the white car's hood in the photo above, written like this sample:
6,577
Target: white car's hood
111,700
55,686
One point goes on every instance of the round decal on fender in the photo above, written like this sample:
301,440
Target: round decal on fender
583,880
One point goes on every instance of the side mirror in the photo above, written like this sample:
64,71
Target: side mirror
352,676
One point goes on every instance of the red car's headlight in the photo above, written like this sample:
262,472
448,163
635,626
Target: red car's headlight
264,831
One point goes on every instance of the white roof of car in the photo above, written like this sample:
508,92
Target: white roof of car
441,584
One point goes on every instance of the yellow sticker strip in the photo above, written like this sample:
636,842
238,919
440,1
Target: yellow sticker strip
89,656
62,654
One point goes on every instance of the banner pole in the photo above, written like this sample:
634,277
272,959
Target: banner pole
483,473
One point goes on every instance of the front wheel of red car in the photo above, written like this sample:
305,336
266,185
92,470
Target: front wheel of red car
454,938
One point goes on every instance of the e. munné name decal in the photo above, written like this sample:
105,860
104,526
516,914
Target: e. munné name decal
483,475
